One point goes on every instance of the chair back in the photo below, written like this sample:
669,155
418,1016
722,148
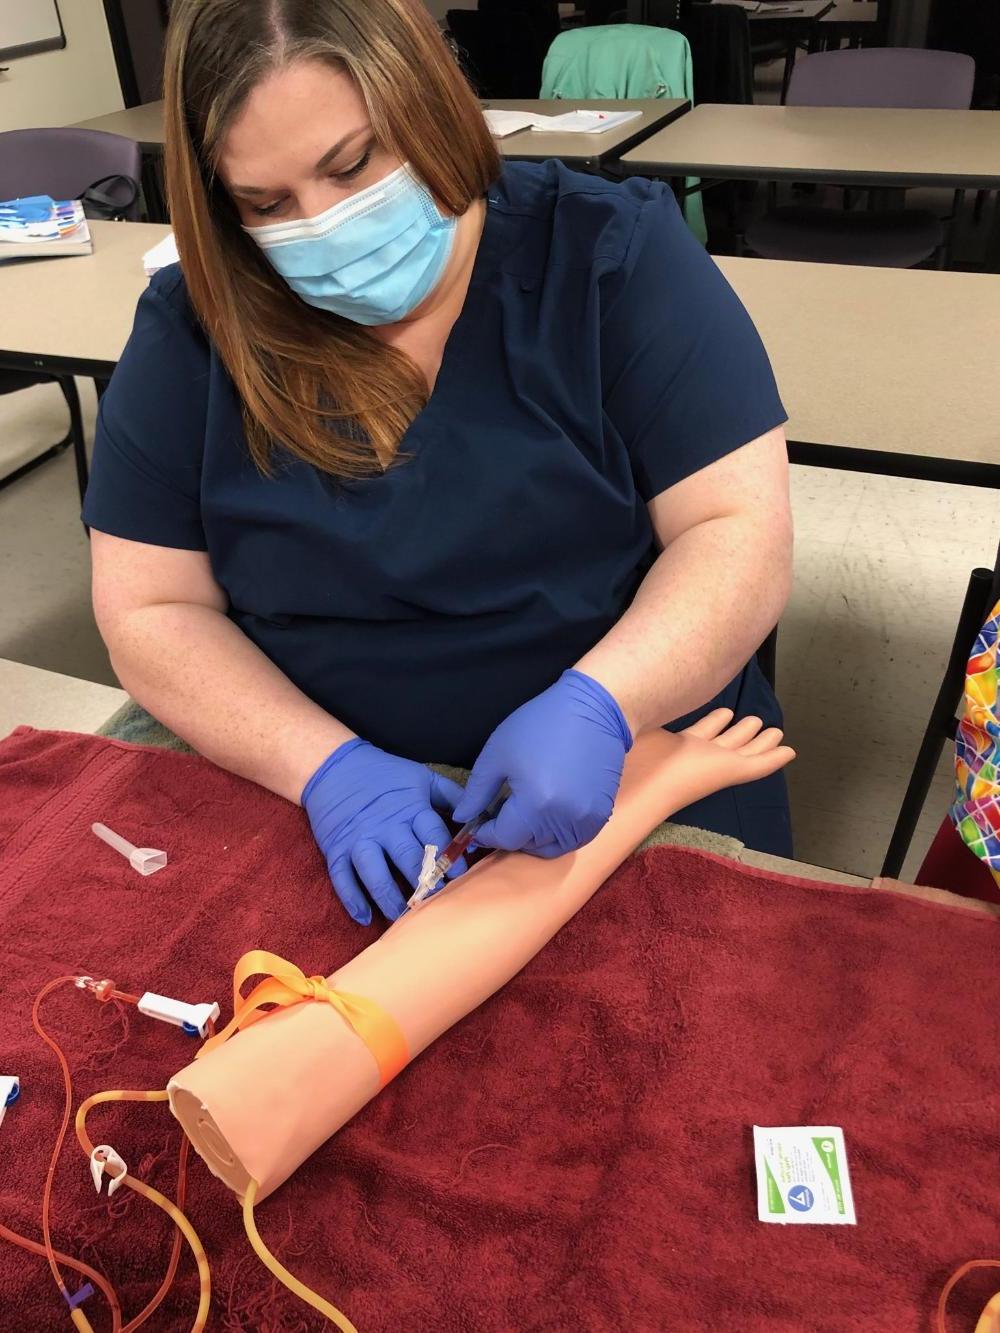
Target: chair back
501,54
62,162
720,52
884,76
618,60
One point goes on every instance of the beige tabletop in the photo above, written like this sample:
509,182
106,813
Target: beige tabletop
852,11
35,698
143,123
878,145
901,361
585,149
78,307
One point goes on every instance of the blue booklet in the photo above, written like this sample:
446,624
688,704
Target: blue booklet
38,226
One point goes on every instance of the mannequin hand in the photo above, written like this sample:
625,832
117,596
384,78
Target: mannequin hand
562,753
365,806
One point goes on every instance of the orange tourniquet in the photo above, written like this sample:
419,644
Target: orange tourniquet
287,984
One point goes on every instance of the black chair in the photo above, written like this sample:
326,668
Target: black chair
981,596
719,37
61,163
502,47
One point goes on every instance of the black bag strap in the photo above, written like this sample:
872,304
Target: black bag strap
107,204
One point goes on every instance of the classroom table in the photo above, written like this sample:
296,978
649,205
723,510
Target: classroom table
890,371
142,123
48,700
882,370
877,146
32,697
588,151
72,315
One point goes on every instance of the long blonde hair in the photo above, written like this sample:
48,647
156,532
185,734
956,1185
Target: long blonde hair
328,391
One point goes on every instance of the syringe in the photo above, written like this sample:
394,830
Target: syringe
433,871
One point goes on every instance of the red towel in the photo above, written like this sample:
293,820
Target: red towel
576,1155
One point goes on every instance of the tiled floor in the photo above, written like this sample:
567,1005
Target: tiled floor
881,569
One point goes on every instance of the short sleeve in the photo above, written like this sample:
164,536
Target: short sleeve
145,479
685,377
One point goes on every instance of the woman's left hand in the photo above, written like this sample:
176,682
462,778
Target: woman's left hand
562,754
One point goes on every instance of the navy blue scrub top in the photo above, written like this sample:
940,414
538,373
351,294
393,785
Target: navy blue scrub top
599,358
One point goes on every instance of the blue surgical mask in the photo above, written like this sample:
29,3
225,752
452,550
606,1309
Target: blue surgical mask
371,258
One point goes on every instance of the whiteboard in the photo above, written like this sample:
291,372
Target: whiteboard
27,26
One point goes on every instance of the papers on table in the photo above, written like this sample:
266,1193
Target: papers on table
785,9
503,122
162,254
37,226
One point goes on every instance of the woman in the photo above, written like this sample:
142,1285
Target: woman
422,459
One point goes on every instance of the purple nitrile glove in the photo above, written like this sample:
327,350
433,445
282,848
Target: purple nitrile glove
562,753
367,808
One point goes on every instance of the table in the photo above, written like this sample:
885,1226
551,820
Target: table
882,370
145,125
890,371
142,123
588,151
838,145
35,698
32,697
72,316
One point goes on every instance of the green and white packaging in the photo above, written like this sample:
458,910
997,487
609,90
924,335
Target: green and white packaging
802,1175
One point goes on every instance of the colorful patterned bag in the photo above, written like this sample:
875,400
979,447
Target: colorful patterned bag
976,811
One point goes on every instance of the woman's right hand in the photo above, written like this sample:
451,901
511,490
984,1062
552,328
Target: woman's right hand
368,808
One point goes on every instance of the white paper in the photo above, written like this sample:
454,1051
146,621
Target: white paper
585,121
802,1175
162,254
501,122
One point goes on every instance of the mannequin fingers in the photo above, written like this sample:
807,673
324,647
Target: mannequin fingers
347,889
768,739
710,726
373,871
445,794
429,829
754,766
736,736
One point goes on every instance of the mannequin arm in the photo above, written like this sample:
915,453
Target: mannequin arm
261,1103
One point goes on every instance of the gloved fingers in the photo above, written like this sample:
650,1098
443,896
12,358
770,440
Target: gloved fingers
347,889
405,851
373,871
484,783
445,794
430,829
511,831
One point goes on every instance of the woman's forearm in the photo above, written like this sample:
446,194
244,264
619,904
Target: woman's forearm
701,612
195,671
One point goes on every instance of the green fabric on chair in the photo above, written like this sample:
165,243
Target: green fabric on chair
625,60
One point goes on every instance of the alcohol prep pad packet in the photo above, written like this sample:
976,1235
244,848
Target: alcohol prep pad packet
802,1174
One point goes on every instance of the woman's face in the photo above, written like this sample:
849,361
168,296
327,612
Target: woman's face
302,143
